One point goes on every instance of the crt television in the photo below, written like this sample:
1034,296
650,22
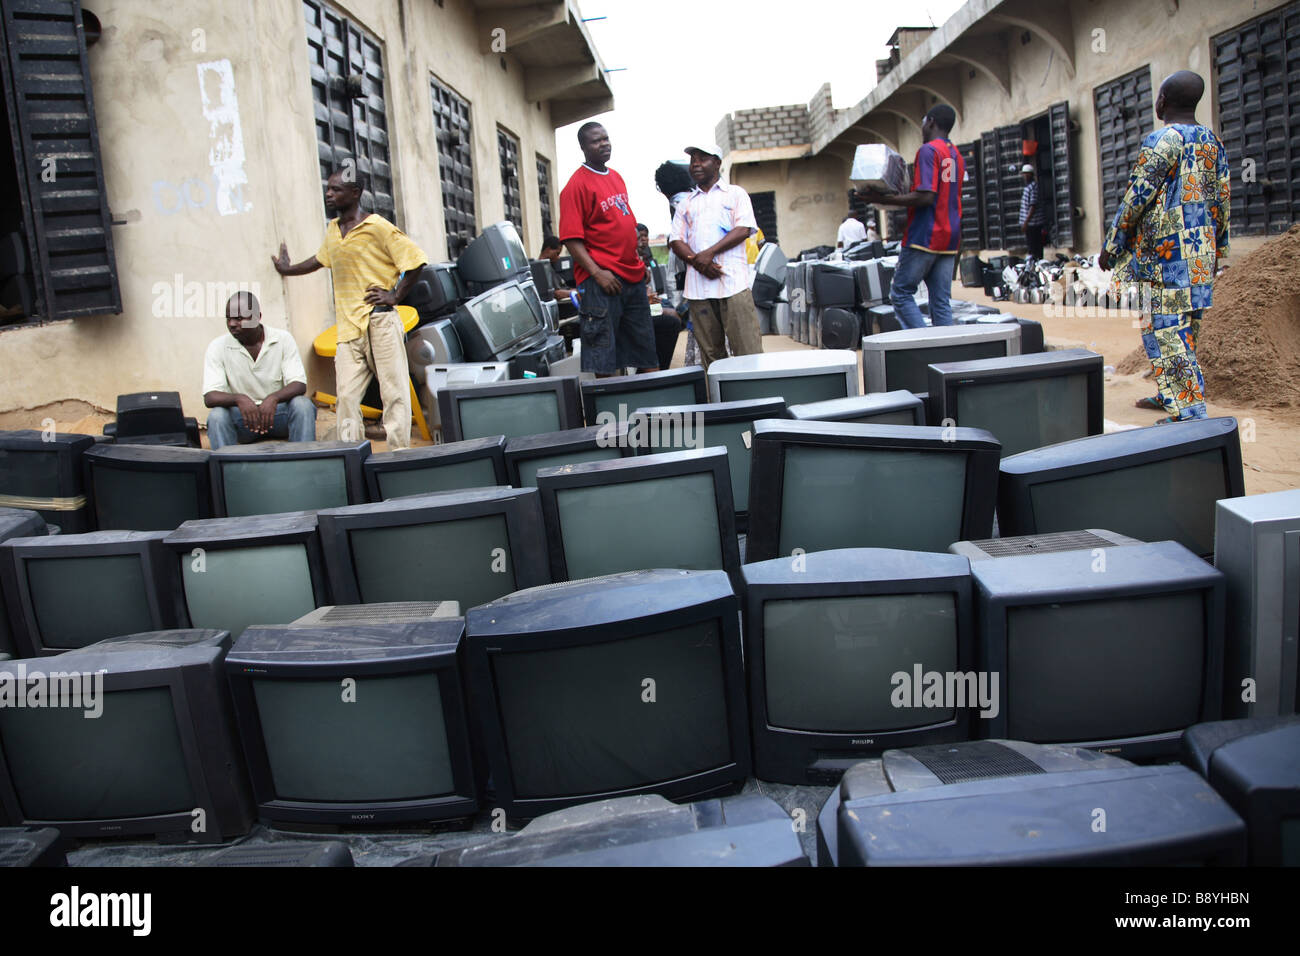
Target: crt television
1154,484
233,572
1119,649
818,486
393,749
160,759
797,377
42,471
526,455
1009,803
521,407
620,395
832,641
672,510
899,407
276,477
1254,764
894,360
468,546
597,689
729,424
70,590
14,523
497,254
147,487
1257,545
476,463
498,323
1027,401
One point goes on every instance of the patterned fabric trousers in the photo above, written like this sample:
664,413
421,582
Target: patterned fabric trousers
1170,343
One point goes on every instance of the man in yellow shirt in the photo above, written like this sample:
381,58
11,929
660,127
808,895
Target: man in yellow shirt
366,254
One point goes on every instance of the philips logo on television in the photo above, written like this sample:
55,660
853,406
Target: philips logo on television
21,688
951,690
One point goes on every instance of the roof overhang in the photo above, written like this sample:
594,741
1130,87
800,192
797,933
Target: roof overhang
561,65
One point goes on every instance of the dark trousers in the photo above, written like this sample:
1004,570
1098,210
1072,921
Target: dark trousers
1034,239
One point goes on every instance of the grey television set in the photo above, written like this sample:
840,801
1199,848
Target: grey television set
797,377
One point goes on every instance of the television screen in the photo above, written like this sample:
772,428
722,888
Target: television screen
512,409
817,486
468,546
147,488
621,395
907,368
550,671
160,743
671,510
68,591
448,467
1120,647
529,467
275,478
898,360
235,572
797,377
504,315
397,750
233,588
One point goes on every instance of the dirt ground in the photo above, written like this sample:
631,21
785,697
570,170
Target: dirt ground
1270,436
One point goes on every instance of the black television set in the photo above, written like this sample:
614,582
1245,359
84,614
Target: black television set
899,407
769,275
468,546
728,424
837,646
70,590
42,471
819,486
672,510
161,758
1011,803
619,396
603,688
1027,401
1254,764
644,830
522,407
1154,484
14,523
501,321
230,573
436,292
831,284
147,487
496,255
476,463
1119,649
543,278
279,477
526,455
393,747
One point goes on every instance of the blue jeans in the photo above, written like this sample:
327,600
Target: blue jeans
295,420
914,267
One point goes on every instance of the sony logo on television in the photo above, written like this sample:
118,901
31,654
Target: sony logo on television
865,741
363,816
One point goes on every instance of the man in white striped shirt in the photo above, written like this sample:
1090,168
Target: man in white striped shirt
708,234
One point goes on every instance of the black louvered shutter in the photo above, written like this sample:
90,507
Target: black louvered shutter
1124,117
1257,76
991,192
51,111
451,121
508,154
765,213
972,238
1011,182
544,195
1058,118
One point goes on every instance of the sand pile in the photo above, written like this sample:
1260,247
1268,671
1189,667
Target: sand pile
1250,340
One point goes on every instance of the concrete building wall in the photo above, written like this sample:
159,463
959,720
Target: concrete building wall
158,149
810,197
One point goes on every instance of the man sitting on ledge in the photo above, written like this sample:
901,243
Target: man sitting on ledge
254,381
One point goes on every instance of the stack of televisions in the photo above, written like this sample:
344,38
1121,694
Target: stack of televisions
276,646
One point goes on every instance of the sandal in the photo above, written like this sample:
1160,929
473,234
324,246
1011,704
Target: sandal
1168,421
1153,404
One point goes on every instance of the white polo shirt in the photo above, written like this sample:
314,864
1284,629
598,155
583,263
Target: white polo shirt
704,218
850,231
227,366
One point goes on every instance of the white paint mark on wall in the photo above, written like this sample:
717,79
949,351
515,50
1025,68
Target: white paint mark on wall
226,150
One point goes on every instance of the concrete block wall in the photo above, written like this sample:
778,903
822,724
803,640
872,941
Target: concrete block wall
765,128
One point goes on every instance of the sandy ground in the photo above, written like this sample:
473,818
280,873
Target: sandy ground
1270,437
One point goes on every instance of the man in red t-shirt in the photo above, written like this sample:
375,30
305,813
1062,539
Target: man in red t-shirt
597,226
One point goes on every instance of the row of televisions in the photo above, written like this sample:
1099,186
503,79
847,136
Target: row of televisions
642,682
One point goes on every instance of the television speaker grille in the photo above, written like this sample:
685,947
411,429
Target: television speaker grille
977,760
1042,543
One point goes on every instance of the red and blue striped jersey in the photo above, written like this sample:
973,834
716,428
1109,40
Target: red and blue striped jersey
939,169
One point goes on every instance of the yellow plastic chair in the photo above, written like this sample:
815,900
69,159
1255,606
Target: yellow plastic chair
327,344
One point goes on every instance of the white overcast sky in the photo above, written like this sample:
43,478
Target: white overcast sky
687,63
